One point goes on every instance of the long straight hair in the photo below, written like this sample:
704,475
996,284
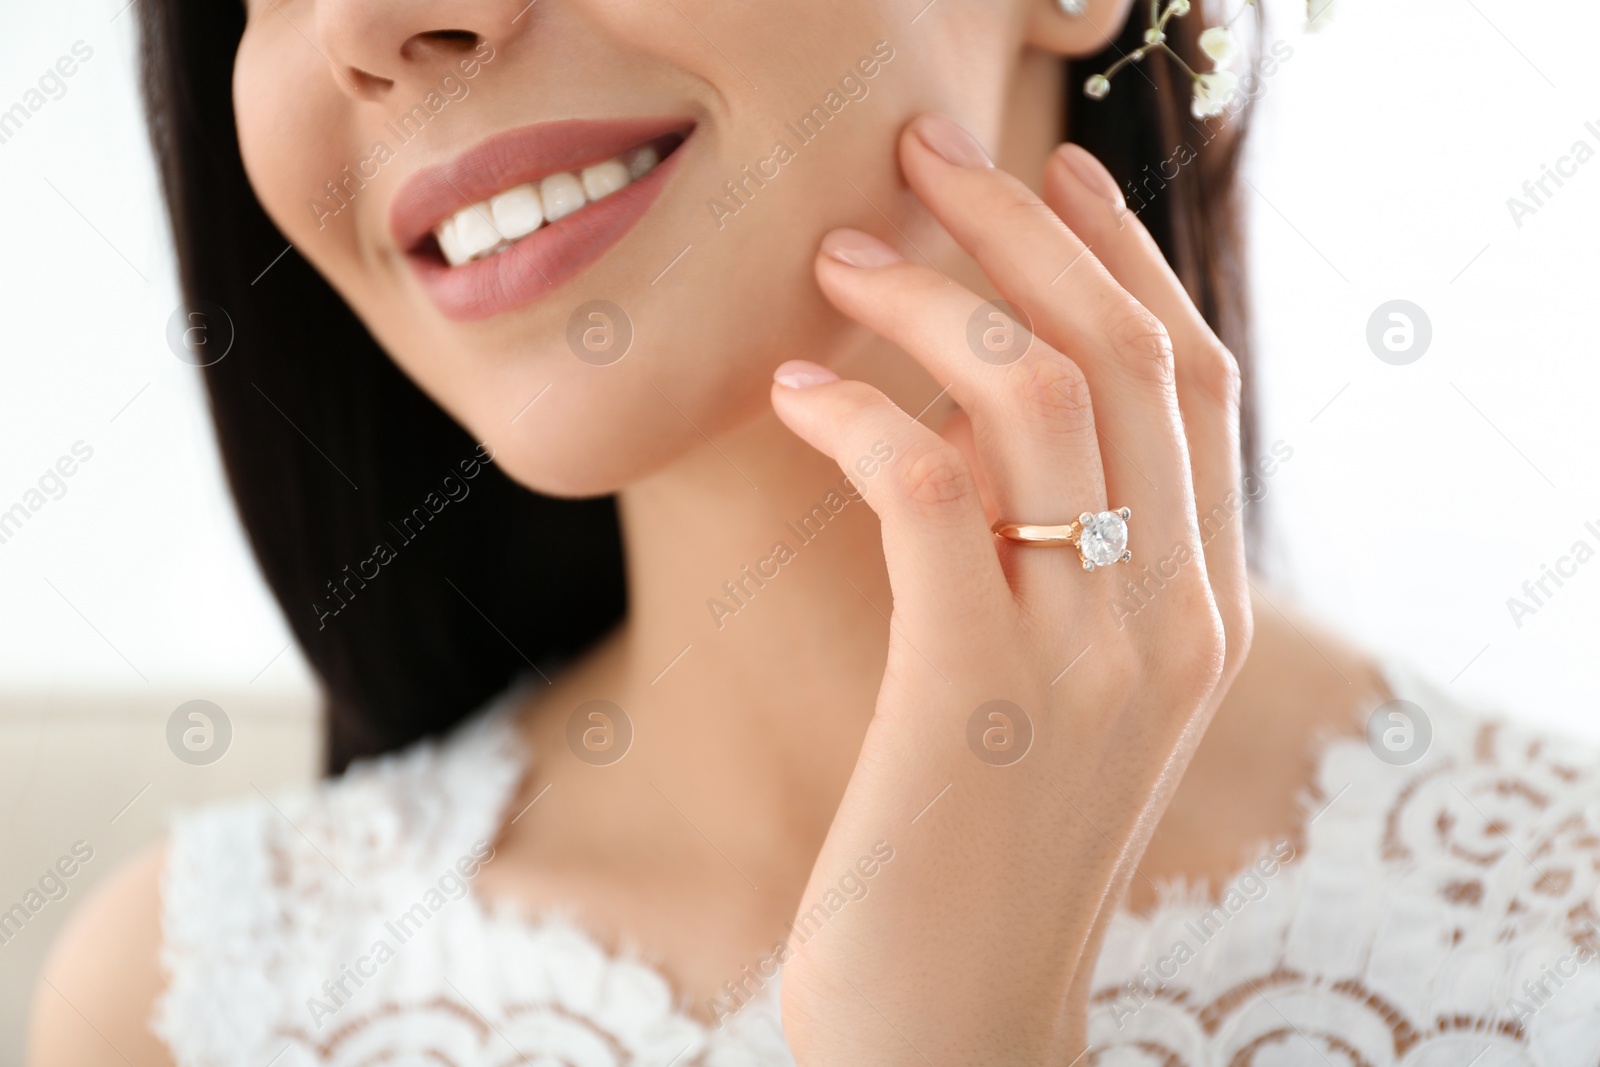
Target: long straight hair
418,580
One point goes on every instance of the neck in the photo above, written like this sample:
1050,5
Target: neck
757,622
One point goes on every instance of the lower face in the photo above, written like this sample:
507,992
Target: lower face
586,230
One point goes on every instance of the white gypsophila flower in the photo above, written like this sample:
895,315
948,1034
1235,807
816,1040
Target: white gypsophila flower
1220,44
1097,86
1212,92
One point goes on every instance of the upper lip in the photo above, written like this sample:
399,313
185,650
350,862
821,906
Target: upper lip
509,159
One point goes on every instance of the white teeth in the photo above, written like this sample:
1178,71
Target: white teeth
484,228
562,195
517,212
603,179
472,233
642,161
445,234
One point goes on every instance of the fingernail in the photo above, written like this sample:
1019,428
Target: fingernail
951,141
856,249
802,374
1092,173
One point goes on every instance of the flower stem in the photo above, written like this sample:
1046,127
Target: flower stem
1132,57
1188,69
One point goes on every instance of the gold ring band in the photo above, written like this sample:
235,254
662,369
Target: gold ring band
1101,538
1028,534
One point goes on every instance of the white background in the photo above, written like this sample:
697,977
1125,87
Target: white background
1418,500
144,544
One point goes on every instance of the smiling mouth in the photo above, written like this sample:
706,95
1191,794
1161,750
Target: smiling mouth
513,218
491,227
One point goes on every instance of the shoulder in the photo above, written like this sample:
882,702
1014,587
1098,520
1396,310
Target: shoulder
93,1002
167,941
203,950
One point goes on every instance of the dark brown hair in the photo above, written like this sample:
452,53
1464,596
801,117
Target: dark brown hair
1180,174
329,449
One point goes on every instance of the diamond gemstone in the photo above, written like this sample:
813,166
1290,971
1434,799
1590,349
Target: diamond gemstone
1104,538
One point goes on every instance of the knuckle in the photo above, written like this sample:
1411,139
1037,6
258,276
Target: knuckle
1193,673
1012,202
1055,391
1141,343
1241,633
1200,665
1012,194
1191,667
934,476
1238,626
1216,371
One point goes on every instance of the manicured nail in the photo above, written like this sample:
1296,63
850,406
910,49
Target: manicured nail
856,249
951,141
802,374
1092,173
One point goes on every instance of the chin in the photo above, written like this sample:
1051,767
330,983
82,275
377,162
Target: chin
587,457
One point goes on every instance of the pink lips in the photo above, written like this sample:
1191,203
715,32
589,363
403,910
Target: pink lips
538,263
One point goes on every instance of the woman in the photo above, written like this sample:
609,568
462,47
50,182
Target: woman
944,722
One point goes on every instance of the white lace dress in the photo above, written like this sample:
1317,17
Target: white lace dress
1440,915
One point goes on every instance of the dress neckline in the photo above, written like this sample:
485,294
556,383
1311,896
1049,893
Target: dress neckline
494,732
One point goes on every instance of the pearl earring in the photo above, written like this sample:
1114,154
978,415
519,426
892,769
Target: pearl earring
1073,8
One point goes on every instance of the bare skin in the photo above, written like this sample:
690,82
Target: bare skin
704,840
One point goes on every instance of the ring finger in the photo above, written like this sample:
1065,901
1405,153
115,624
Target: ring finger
1032,418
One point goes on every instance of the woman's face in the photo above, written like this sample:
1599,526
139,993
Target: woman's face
408,148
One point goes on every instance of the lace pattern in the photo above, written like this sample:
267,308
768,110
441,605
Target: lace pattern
1441,913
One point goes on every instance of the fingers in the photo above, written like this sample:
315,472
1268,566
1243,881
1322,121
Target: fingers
939,550
1038,264
1207,375
957,429
1085,195
1032,419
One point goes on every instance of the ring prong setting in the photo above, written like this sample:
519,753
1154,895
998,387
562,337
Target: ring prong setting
1101,538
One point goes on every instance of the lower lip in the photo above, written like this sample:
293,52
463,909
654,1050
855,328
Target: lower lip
538,264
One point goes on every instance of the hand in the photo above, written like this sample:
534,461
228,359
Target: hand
976,943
